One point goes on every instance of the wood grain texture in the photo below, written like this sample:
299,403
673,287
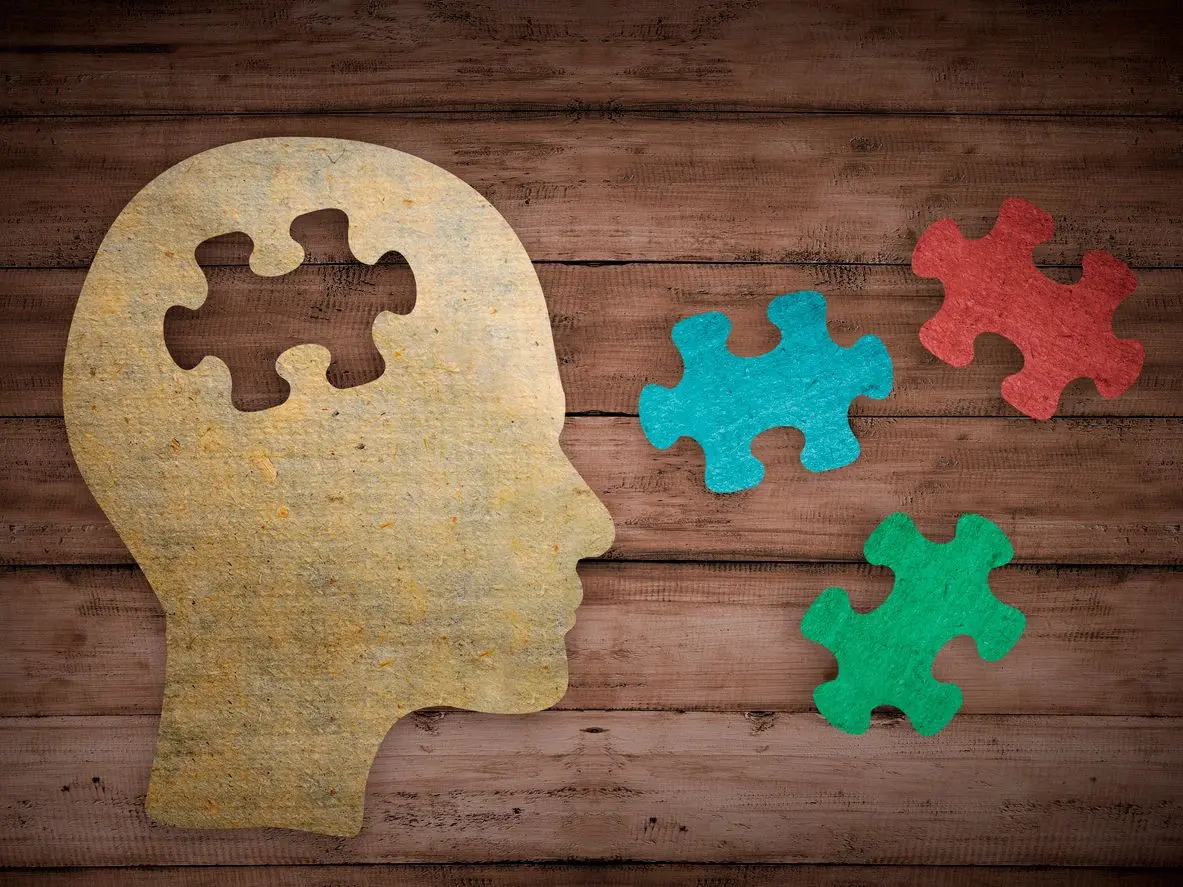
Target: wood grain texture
685,787
1069,491
612,332
921,55
606,875
90,641
722,152
814,188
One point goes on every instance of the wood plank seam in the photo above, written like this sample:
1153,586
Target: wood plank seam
812,188
1070,490
604,112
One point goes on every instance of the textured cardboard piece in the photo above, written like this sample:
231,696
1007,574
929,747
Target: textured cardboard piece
724,401
331,564
992,285
941,591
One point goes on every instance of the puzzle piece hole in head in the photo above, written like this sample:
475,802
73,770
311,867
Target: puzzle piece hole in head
248,321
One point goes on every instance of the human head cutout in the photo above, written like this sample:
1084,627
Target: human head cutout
331,564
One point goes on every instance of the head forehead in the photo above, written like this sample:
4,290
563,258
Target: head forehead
479,309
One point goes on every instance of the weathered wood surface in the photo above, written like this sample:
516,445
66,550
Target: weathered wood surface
921,55
658,134
90,641
646,786
609,875
812,188
1068,491
612,332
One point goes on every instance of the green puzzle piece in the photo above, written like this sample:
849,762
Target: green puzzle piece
941,591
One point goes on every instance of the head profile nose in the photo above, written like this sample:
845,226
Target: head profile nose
585,514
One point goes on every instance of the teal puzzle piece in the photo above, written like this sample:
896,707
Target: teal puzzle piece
941,591
724,401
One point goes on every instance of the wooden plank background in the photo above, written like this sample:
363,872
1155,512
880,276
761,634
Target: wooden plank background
657,159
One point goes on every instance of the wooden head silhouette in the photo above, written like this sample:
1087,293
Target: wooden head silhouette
331,564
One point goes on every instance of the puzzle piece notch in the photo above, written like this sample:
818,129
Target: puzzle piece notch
724,401
331,306
941,591
992,285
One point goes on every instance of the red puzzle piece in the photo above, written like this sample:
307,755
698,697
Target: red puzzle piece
992,286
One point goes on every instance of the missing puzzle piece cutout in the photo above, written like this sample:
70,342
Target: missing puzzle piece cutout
248,320
992,286
724,401
941,591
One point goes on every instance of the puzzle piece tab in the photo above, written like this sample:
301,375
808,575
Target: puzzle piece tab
992,286
724,401
941,591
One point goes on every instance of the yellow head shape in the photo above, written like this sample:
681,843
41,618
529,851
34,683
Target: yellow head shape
328,565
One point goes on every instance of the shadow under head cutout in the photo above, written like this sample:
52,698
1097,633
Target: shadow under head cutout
941,591
248,320
993,286
724,401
